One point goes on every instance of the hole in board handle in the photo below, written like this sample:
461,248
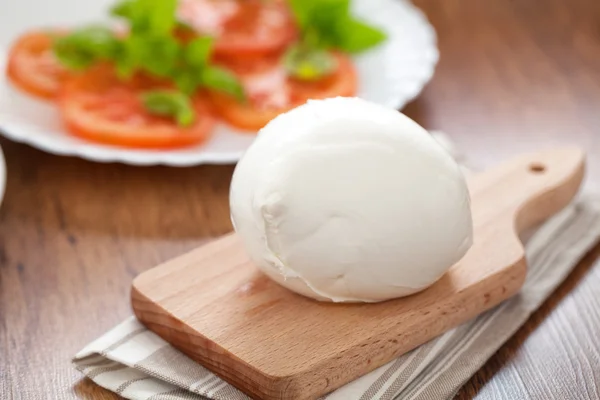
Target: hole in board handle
537,168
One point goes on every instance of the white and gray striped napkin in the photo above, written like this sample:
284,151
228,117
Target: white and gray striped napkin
137,364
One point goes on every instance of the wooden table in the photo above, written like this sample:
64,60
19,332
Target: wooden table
514,76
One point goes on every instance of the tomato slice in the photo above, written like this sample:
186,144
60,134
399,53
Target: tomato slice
32,66
241,27
99,107
344,82
270,92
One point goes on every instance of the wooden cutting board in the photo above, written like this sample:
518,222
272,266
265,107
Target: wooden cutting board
217,308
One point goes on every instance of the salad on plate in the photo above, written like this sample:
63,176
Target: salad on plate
167,71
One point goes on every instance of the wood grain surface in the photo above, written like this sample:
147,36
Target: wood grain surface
513,76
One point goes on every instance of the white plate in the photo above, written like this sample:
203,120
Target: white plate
392,74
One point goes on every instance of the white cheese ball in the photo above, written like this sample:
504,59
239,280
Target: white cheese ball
348,201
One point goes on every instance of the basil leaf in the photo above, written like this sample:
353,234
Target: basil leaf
157,55
156,17
187,81
320,15
224,81
151,45
302,10
360,36
328,24
168,103
198,51
161,55
83,47
161,15
309,64
124,9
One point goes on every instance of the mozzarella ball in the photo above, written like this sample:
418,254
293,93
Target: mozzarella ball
345,200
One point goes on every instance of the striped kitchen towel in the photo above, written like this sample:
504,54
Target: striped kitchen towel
137,364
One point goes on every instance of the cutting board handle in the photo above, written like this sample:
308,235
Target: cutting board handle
532,187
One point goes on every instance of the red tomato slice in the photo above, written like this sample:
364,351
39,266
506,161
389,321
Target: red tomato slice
99,107
270,93
344,82
33,67
241,27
